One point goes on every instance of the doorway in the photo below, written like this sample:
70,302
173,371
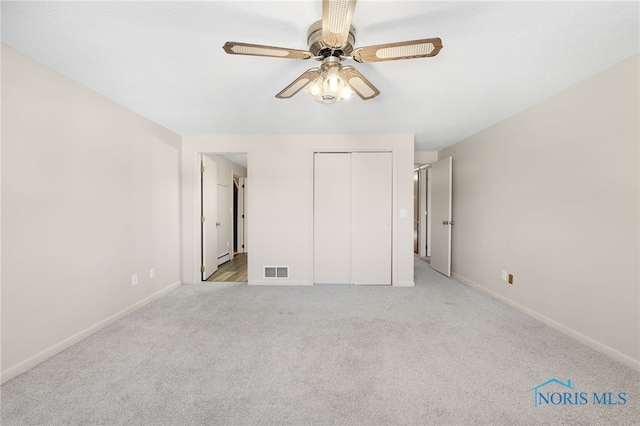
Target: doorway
223,217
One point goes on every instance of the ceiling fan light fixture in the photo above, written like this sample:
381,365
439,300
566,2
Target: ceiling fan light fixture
333,80
331,85
315,88
346,92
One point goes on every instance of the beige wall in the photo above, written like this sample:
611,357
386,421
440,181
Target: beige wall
90,196
551,195
279,199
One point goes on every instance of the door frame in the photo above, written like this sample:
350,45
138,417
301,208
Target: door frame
196,202
208,226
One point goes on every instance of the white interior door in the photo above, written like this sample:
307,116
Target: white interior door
209,215
371,215
441,216
332,218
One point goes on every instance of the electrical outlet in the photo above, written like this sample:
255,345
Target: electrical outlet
504,275
152,273
510,279
134,279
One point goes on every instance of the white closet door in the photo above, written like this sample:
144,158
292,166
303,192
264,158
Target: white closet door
371,216
332,218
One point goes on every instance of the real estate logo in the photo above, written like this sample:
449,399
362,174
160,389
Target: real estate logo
555,392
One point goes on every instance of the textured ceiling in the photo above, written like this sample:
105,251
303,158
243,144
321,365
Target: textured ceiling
165,61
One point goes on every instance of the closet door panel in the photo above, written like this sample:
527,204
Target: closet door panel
371,217
332,218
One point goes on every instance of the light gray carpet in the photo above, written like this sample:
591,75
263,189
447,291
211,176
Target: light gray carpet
224,353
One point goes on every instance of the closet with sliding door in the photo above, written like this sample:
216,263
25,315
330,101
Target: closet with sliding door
352,218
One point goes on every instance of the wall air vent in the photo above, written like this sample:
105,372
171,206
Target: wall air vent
277,272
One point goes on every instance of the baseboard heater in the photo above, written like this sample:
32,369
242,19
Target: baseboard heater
223,258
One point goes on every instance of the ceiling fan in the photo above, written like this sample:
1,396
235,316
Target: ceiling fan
331,41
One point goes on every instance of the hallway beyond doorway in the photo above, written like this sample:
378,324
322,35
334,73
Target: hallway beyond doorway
234,270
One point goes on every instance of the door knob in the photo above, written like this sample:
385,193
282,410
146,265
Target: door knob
446,222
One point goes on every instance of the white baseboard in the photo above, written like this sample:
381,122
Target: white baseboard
279,282
594,344
224,258
297,283
29,363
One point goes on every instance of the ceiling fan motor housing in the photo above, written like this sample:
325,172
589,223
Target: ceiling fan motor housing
320,49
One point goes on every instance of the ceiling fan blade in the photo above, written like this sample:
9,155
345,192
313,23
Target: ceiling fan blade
402,50
359,84
336,21
298,83
235,48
